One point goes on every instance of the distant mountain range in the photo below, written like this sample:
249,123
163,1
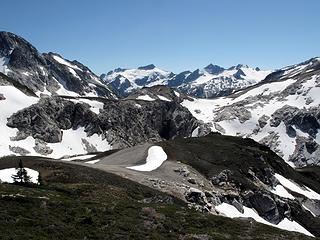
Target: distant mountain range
211,81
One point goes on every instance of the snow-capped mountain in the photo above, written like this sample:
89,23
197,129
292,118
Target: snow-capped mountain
211,81
124,81
47,73
282,112
214,81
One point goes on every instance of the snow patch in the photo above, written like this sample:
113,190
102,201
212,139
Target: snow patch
303,190
145,98
282,192
4,64
93,161
231,212
6,175
156,156
72,144
81,157
95,106
164,98
66,63
15,101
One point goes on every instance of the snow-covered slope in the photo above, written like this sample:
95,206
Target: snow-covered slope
73,141
209,82
282,112
47,73
215,81
125,81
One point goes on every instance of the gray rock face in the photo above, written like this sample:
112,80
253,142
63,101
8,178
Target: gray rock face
196,196
222,178
122,123
263,121
19,150
152,121
42,148
265,206
2,97
307,152
230,113
45,119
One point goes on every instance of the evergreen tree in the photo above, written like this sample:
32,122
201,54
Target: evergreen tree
40,179
21,177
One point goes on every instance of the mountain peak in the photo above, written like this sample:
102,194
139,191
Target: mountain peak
147,67
239,66
213,69
9,41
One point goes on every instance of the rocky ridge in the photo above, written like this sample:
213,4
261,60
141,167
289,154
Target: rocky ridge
47,73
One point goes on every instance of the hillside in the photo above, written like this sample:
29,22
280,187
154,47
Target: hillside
77,202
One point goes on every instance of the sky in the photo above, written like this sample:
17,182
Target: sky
175,35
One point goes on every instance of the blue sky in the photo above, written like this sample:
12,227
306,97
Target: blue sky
173,34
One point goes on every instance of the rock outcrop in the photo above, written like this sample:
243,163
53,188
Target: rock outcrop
122,123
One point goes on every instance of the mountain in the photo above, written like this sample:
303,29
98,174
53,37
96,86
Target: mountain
124,81
282,112
173,182
214,81
58,108
58,126
211,81
47,73
154,158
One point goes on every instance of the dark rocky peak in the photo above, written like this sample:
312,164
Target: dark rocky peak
117,70
178,79
257,69
21,53
10,41
147,67
239,74
214,69
193,76
103,76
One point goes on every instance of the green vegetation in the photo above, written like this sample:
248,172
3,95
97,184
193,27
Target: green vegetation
76,202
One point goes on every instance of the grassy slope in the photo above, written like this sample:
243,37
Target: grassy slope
76,202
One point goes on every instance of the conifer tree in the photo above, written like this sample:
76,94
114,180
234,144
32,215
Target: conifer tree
21,176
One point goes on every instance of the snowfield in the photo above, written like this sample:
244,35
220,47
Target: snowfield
15,100
66,63
231,212
156,156
6,175
294,187
72,140
282,192
145,98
